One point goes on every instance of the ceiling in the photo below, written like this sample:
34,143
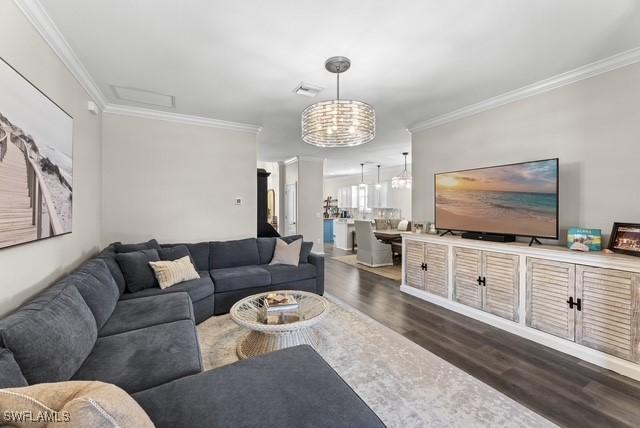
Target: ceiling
412,60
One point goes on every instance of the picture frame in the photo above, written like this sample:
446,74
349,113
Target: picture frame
625,239
36,162
583,239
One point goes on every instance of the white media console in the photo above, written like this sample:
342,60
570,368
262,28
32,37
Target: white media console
584,304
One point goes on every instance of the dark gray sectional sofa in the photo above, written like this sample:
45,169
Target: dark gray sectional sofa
231,270
87,327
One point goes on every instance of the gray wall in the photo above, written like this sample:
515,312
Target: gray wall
176,182
28,268
593,126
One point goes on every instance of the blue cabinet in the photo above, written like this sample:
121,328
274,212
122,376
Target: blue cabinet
328,231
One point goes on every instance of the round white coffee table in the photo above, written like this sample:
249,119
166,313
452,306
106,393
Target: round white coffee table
265,338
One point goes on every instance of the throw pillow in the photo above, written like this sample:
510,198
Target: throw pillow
305,251
73,403
287,254
306,247
10,373
169,272
128,248
174,253
135,268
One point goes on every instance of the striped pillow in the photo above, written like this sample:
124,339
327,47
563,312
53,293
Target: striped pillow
170,273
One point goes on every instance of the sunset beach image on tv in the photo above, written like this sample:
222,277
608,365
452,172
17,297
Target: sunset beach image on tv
519,199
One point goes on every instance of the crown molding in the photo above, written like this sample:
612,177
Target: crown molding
605,65
186,119
38,17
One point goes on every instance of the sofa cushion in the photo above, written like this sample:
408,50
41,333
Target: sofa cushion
226,254
108,255
134,314
10,374
197,289
266,246
200,253
293,387
144,358
97,287
51,336
235,278
281,274
79,404
136,270
128,248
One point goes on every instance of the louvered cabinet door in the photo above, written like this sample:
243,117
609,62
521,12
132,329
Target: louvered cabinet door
413,267
467,267
436,275
501,273
549,286
609,318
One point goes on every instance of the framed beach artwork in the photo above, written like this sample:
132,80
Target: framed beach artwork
36,162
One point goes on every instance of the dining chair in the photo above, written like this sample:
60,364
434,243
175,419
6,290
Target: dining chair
371,252
381,224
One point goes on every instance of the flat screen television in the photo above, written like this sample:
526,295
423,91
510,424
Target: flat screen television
517,199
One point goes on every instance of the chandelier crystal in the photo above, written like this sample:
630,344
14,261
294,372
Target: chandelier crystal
404,180
338,123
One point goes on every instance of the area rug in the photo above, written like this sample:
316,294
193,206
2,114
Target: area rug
392,272
406,385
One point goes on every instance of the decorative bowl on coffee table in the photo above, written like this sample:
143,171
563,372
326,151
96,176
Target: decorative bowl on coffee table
265,338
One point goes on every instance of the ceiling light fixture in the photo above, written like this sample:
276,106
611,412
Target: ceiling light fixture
362,176
378,185
338,123
402,181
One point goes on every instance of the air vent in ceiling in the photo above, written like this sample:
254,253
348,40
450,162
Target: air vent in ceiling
307,89
143,96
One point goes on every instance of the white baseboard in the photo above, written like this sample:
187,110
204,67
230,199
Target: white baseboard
618,365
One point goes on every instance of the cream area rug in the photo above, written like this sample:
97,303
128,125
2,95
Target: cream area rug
406,385
392,272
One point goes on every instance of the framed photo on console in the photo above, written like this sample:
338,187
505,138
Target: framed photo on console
625,239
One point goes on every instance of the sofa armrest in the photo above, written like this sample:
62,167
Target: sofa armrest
318,261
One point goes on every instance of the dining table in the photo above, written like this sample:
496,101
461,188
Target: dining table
389,235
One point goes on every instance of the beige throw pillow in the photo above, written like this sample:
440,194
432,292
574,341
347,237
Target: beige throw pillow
287,254
71,404
170,273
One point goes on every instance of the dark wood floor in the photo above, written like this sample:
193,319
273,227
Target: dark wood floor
564,389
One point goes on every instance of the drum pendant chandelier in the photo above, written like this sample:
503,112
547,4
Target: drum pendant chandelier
338,123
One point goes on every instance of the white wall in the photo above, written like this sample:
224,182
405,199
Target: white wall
397,198
593,126
310,210
28,268
176,182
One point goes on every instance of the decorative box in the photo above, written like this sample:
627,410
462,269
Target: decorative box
581,239
279,309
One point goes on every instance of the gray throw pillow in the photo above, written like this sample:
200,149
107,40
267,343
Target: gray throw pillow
174,253
128,248
287,254
10,374
136,270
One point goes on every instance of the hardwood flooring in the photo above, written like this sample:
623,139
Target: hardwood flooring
566,390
